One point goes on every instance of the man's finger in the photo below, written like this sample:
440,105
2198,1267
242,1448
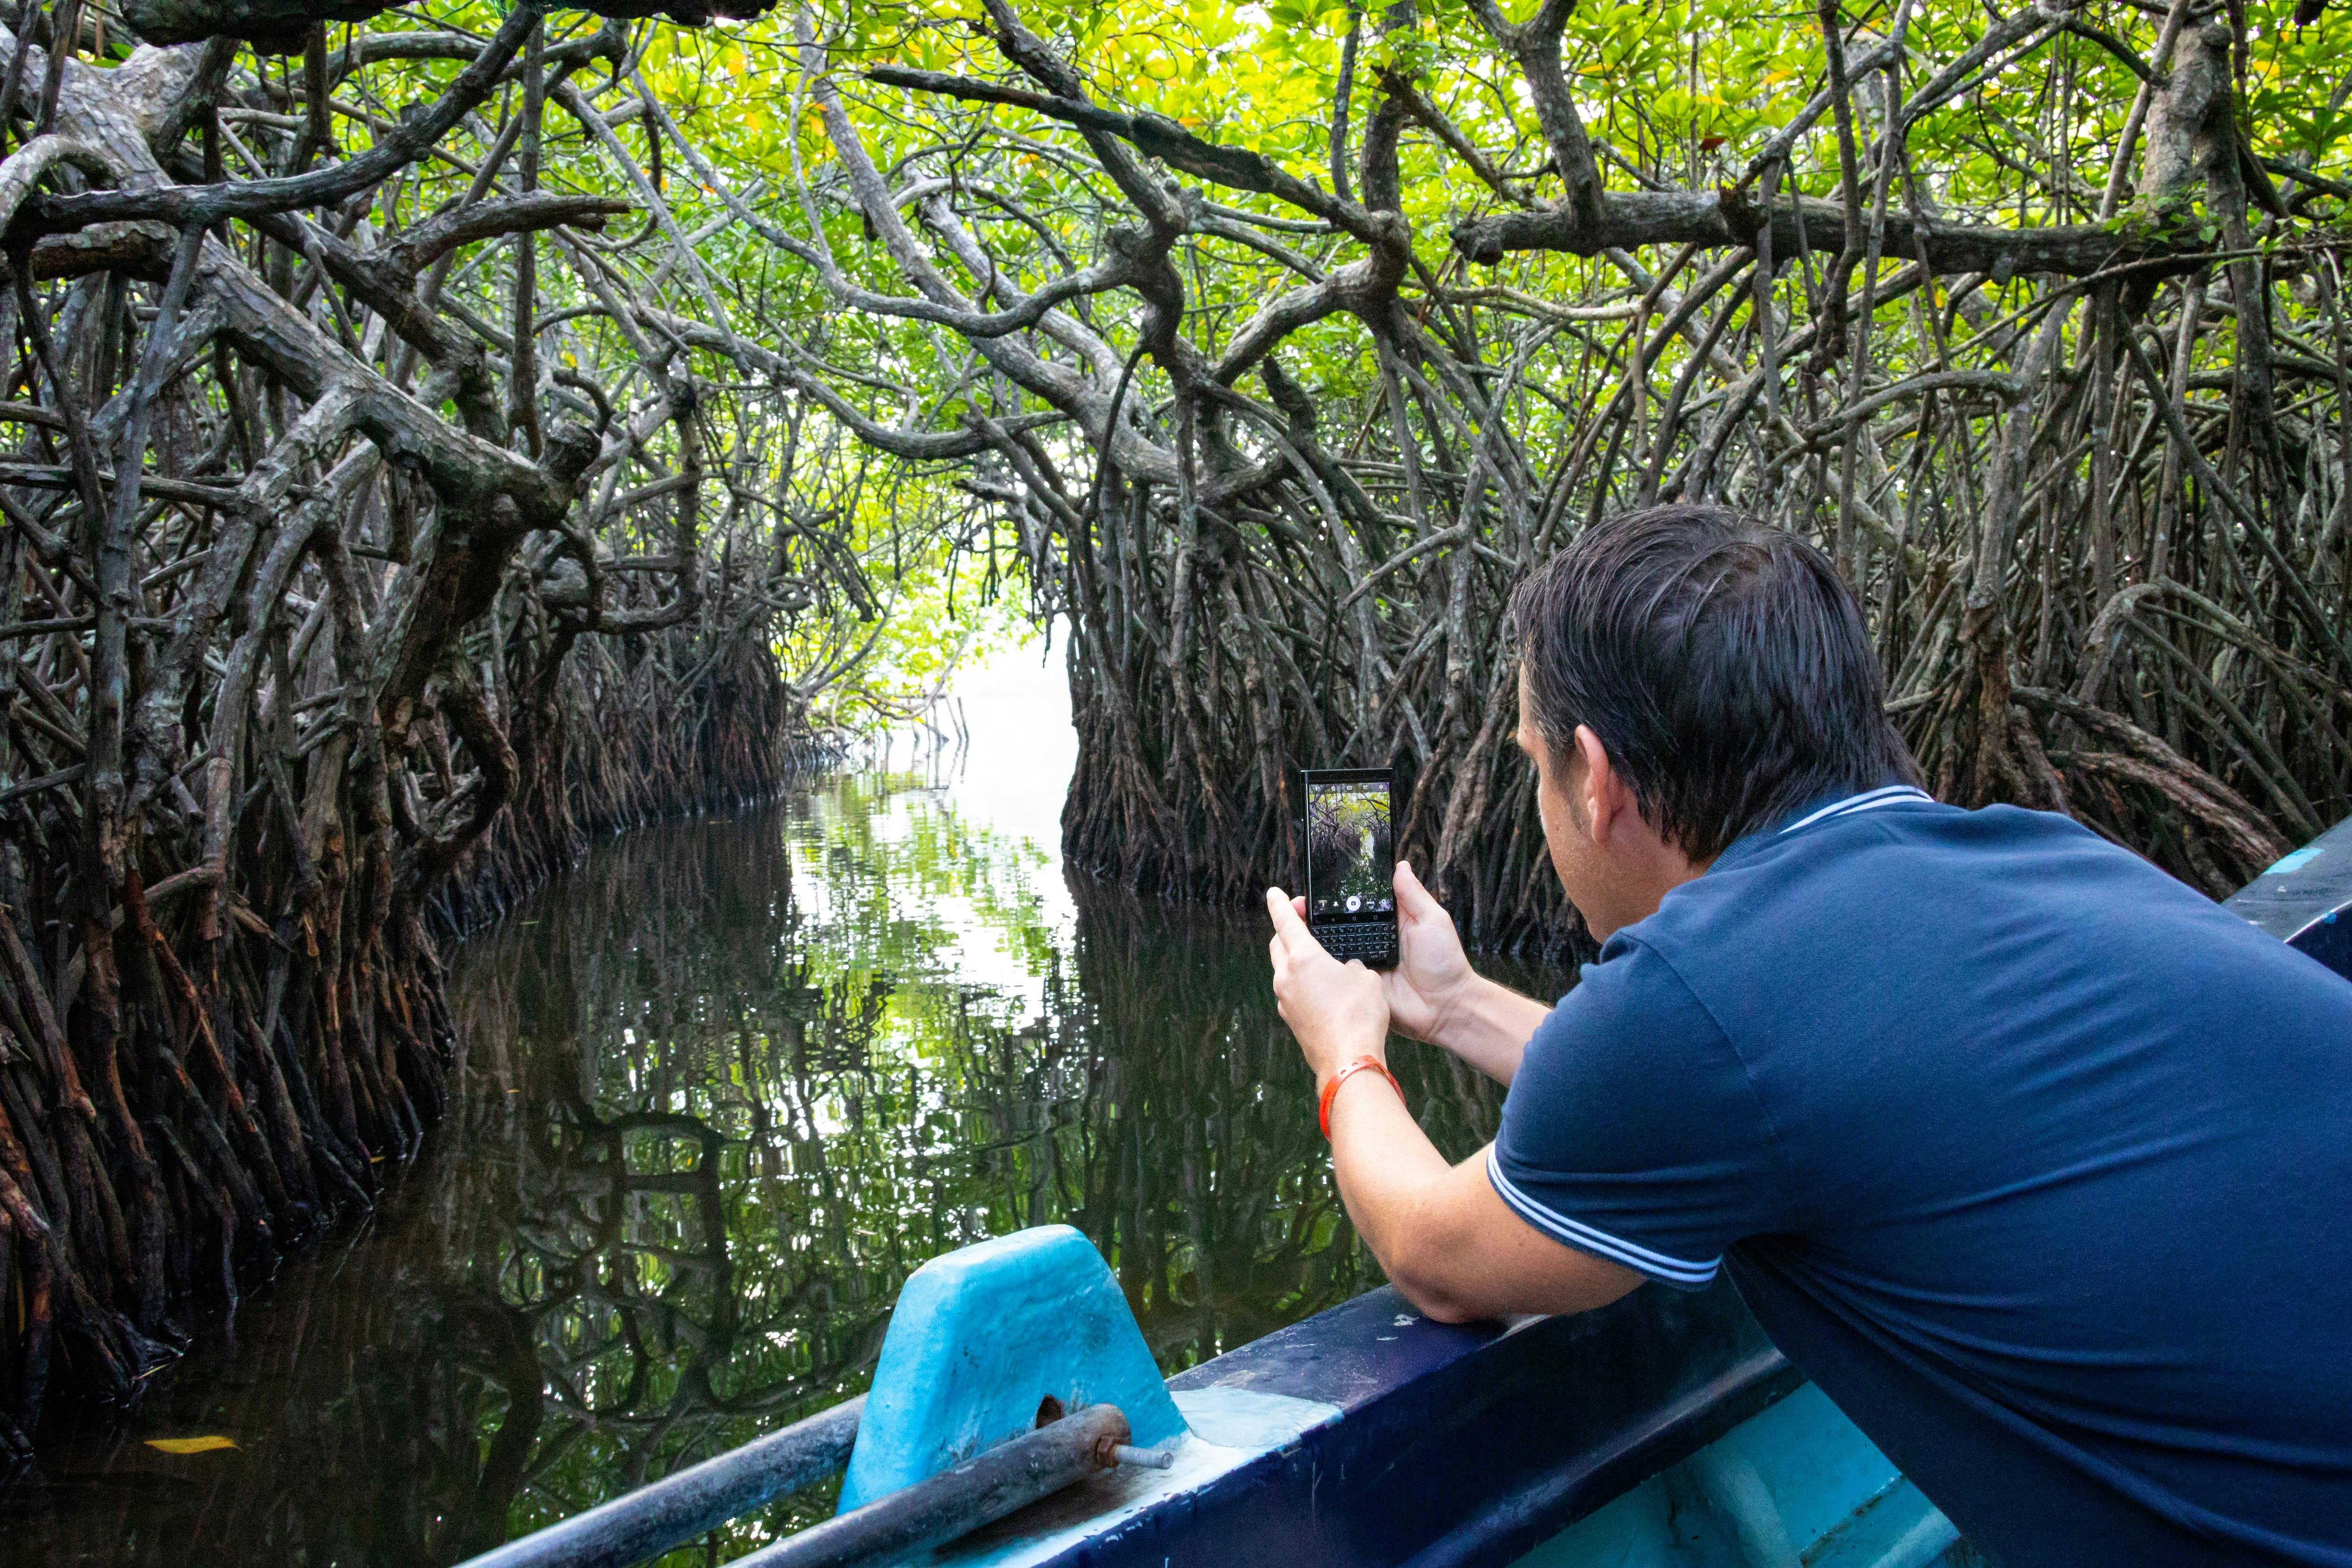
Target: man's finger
1413,899
1290,922
1300,904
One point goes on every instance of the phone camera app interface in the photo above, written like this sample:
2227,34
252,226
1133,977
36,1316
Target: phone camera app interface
1349,864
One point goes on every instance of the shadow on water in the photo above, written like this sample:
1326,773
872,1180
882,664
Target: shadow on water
729,1084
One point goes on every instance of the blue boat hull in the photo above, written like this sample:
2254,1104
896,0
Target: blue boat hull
1663,1432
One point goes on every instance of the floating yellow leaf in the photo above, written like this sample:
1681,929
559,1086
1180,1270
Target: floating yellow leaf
205,1445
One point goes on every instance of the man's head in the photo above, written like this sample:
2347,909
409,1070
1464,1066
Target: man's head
1688,675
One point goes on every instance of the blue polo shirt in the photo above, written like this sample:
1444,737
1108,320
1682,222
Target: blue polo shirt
2036,1161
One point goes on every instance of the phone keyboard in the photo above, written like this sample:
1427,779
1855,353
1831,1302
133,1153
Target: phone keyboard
1369,940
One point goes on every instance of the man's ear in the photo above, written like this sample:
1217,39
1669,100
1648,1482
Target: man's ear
1598,794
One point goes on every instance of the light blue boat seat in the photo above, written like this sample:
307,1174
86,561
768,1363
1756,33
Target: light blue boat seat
1795,1487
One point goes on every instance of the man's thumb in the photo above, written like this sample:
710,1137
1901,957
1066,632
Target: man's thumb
1413,899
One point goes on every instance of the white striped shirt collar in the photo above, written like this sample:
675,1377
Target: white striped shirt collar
1868,801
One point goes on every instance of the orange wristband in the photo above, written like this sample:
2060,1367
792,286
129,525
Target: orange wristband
1362,1064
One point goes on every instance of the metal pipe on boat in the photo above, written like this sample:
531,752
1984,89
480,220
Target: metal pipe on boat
675,1510
955,1502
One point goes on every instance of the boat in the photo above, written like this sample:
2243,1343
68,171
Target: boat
1017,1420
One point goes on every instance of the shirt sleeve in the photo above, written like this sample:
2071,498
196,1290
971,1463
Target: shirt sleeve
1632,1130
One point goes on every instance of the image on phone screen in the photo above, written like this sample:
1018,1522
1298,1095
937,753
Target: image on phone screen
1351,862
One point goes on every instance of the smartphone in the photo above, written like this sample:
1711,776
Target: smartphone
1351,863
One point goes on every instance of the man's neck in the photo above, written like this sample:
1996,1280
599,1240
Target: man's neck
1633,897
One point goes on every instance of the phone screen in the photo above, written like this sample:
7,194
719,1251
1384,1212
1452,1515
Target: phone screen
1351,862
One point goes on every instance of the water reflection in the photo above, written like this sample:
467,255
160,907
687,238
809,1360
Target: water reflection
730,1083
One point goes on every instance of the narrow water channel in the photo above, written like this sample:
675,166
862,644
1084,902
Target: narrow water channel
726,1085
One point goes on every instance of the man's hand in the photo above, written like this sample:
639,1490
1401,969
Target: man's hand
1432,995
1336,1009
1433,973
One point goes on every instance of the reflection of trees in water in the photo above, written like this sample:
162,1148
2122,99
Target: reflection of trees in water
1203,1177
707,1130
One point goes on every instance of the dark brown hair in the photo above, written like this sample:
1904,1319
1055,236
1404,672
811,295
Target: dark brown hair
1723,663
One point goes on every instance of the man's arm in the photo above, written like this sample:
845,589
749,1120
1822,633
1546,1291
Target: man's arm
1446,1240
1489,1026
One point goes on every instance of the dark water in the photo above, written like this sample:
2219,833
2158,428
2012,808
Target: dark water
726,1086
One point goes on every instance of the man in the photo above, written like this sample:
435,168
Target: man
2036,1161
